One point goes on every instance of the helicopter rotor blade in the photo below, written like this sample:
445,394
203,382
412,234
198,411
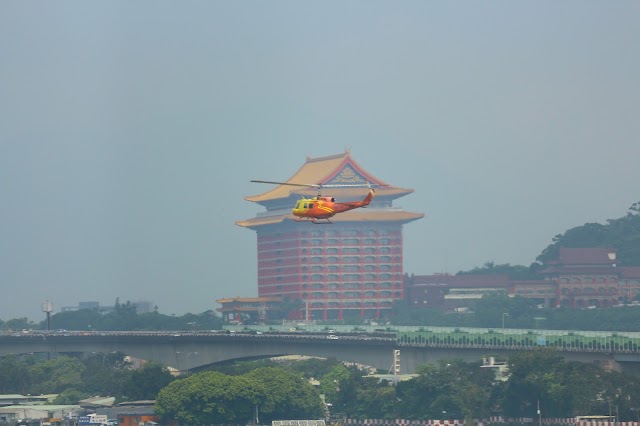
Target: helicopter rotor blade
309,185
321,185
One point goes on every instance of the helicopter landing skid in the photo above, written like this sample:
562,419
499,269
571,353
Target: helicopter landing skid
317,222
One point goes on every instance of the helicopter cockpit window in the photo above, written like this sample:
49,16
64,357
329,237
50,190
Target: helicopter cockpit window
311,205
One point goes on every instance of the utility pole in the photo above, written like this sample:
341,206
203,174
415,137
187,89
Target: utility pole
47,308
539,415
504,314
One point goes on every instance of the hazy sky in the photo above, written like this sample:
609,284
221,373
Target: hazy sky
129,132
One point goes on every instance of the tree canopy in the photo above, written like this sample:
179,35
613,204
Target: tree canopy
212,397
75,378
622,234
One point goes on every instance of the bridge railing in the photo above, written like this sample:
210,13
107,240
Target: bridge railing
566,340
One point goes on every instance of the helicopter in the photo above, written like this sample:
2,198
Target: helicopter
320,208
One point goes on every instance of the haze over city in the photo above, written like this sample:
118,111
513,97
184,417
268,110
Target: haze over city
129,132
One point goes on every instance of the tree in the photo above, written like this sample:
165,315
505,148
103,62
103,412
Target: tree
82,319
514,272
332,383
290,308
215,398
622,234
146,382
107,374
452,389
288,397
563,389
490,310
378,400
70,396
15,374
312,367
18,324
56,375
210,398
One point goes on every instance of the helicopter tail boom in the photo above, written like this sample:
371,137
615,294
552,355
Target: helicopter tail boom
343,207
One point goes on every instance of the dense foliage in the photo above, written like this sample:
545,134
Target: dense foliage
78,378
123,317
212,397
522,313
622,234
566,389
279,391
451,389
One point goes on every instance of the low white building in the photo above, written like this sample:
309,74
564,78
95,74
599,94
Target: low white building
15,413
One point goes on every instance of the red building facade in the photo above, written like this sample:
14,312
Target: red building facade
350,268
586,277
576,278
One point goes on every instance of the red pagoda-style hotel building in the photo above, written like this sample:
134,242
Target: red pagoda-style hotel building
350,268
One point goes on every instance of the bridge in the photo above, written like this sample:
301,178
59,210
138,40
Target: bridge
192,350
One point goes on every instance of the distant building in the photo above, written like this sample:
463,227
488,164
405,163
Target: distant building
350,268
132,413
18,399
577,278
588,277
543,291
452,292
50,413
250,310
141,306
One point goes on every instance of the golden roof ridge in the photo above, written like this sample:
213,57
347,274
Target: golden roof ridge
328,157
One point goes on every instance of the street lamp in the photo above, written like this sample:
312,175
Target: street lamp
539,414
504,314
104,356
47,308
185,360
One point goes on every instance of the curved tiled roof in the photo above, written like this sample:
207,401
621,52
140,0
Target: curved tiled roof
585,256
250,299
358,215
334,169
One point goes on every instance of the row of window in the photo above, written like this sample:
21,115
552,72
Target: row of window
547,292
353,294
333,275
347,233
588,280
262,273
348,277
334,286
349,268
334,246
293,251
350,259
352,304
279,236
352,250
347,241
589,291
339,233
330,267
